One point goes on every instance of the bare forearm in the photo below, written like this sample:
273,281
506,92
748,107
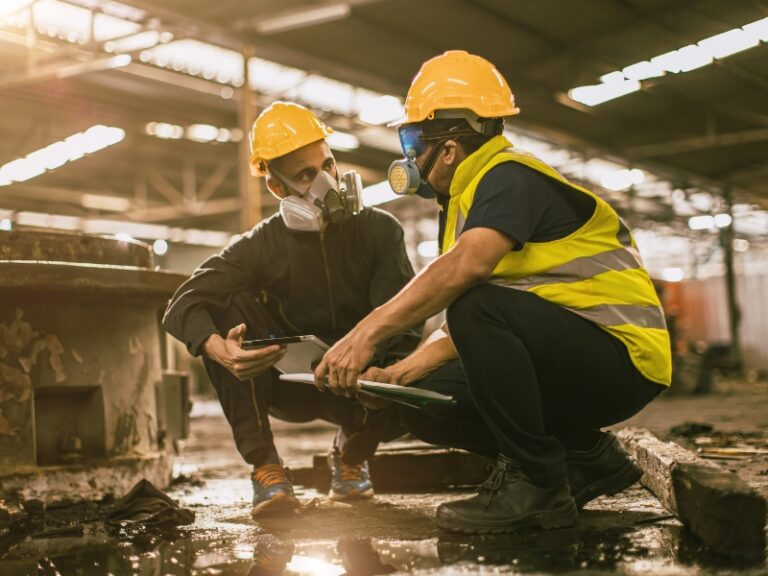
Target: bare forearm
431,291
433,353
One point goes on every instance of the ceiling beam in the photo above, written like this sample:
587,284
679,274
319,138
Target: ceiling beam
697,143
59,70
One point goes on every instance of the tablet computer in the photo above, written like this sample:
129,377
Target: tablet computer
303,355
277,341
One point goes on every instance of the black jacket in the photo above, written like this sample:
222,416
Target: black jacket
309,283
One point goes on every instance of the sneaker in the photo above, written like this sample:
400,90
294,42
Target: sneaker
271,557
603,471
349,482
507,502
272,491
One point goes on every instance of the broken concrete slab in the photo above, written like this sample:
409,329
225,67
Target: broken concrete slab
93,481
717,506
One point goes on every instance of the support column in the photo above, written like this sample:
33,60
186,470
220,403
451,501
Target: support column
734,312
250,187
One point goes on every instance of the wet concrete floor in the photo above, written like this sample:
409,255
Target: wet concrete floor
626,534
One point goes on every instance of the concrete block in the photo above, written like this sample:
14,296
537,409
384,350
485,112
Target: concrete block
720,508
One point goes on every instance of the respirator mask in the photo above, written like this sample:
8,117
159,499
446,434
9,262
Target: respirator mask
325,201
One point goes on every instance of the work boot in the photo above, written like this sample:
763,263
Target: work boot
348,482
272,491
604,470
509,501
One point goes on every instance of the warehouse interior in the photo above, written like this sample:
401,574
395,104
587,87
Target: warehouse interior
127,124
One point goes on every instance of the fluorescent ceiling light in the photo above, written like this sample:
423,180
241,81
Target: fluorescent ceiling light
758,29
701,222
617,83
202,132
673,274
643,70
599,93
622,179
160,247
271,77
692,57
728,43
104,202
381,110
10,7
321,92
615,76
427,249
164,130
740,245
380,193
140,41
343,141
57,154
722,220
303,18
198,59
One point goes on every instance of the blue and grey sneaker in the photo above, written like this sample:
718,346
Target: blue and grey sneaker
272,491
349,482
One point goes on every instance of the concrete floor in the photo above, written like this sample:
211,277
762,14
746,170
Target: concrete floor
626,534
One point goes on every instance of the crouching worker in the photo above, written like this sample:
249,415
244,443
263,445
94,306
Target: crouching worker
317,267
554,319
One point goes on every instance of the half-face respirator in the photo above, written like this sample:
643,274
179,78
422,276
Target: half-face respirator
325,201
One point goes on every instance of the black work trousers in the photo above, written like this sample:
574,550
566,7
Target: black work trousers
534,380
248,404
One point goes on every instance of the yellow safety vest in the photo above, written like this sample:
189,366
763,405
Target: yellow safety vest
595,272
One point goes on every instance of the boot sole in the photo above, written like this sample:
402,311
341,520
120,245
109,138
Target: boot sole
365,495
621,480
275,506
562,517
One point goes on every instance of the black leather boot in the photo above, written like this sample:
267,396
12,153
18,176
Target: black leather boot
604,470
509,501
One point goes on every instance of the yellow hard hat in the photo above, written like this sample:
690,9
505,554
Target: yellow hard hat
457,80
280,129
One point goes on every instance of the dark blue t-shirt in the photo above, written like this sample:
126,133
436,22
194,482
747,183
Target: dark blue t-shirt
525,205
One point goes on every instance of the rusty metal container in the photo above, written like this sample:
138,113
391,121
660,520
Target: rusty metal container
81,362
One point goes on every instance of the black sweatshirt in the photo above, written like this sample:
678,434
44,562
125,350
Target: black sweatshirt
309,283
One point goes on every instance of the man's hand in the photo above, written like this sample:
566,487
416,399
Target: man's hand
375,374
342,364
243,364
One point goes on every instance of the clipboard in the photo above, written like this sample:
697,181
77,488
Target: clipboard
407,395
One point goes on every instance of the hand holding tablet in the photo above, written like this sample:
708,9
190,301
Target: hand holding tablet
302,355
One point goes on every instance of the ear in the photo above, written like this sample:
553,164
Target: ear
450,152
276,187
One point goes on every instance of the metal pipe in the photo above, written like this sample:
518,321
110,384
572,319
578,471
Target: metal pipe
734,312
250,187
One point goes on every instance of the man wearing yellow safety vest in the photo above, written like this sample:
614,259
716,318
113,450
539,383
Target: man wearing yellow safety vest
317,267
556,326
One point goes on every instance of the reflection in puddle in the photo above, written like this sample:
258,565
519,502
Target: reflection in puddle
657,549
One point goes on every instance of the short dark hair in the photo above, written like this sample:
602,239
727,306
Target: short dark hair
469,144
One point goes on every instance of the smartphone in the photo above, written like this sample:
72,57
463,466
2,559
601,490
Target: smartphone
279,341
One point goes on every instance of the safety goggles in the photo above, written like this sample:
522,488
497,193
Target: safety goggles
411,140
414,142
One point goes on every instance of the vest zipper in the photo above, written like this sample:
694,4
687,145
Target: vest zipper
328,280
